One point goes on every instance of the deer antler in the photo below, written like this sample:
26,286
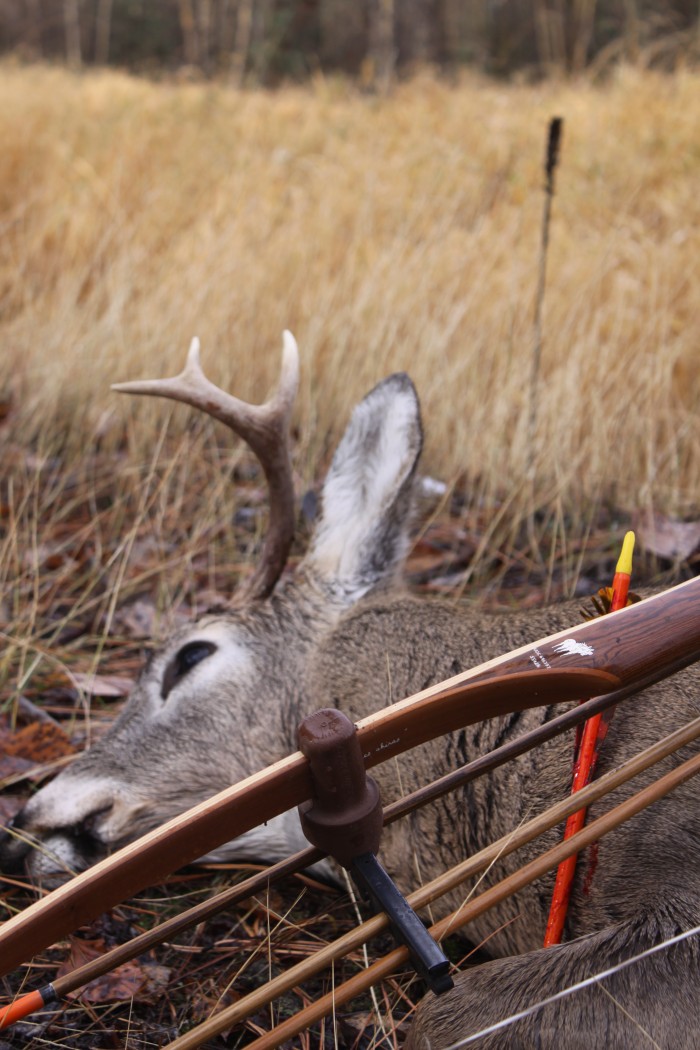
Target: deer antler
265,428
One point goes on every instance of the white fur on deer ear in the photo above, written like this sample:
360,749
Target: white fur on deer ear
363,531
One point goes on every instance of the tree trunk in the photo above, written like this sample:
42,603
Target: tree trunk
103,31
244,32
71,22
584,22
342,30
188,26
262,37
33,23
631,30
465,31
223,32
382,44
419,31
204,32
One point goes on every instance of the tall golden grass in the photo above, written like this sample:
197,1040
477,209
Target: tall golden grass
394,233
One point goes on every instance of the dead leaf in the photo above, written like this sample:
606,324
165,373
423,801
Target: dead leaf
667,537
38,742
143,980
208,1003
102,684
208,600
440,552
49,556
360,1029
138,620
141,619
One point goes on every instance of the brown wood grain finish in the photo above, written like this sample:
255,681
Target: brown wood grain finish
265,795
390,733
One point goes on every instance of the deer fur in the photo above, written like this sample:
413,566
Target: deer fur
223,697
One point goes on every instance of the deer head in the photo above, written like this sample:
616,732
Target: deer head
222,697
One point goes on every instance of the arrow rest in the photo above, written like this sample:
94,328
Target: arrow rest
344,819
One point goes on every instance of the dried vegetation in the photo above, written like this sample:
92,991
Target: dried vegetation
399,233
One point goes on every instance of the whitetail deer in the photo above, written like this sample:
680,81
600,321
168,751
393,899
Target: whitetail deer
223,697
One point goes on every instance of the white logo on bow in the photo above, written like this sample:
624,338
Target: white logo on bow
570,647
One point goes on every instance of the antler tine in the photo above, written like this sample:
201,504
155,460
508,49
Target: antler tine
192,387
265,428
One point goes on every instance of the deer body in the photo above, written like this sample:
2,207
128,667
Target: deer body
646,885
223,697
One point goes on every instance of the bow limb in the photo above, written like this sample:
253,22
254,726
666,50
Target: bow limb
263,796
637,643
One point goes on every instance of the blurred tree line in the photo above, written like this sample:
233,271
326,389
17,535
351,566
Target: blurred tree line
374,39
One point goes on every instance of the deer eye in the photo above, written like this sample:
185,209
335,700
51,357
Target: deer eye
184,660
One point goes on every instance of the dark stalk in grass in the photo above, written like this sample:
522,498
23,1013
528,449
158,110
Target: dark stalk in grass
551,160
550,164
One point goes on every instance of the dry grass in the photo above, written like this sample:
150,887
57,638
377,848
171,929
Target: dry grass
387,234
394,234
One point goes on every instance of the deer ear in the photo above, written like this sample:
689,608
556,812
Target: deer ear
362,535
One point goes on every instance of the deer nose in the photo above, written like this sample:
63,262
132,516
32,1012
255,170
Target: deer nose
83,840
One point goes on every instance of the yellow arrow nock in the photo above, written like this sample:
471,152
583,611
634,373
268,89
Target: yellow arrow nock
624,563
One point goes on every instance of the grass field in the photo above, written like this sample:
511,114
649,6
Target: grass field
393,234
397,233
